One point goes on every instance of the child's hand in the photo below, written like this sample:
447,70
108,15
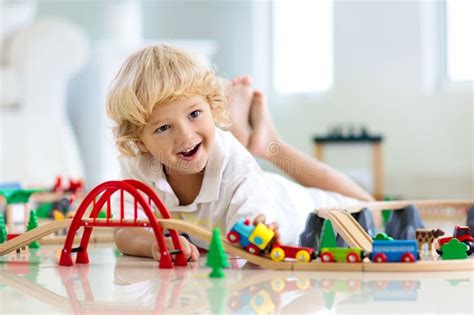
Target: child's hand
274,226
190,251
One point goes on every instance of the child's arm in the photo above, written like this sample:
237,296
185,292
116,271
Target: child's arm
140,242
251,199
136,241
310,172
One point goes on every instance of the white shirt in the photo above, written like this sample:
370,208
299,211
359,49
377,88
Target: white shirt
234,187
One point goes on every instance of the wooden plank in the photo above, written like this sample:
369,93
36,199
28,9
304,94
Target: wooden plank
377,170
319,151
394,205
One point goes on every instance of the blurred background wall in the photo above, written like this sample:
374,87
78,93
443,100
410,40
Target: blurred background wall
385,61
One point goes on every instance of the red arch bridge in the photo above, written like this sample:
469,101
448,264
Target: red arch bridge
144,197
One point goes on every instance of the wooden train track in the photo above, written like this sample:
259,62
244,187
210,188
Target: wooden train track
33,235
47,229
395,205
349,229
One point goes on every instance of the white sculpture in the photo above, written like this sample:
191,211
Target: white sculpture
37,140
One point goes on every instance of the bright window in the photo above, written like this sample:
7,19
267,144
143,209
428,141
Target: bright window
303,46
460,39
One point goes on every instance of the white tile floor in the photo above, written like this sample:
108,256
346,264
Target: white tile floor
111,283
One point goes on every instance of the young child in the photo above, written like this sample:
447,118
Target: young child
169,109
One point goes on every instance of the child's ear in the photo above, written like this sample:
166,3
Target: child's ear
142,146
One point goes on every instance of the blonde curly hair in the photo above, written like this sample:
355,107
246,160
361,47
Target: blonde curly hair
155,75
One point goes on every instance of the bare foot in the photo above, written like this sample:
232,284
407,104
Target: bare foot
265,140
240,95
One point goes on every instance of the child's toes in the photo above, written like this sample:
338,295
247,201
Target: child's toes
246,80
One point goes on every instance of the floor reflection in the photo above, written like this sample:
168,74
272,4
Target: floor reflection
139,286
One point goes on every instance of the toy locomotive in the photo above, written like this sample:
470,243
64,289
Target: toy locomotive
258,239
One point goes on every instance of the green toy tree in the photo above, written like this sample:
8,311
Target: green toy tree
454,249
216,258
33,224
328,236
3,229
383,237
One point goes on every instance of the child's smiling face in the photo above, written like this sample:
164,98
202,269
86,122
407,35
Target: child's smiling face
180,134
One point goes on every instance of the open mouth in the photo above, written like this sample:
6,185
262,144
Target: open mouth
191,152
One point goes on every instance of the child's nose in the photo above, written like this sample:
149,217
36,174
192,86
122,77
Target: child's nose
185,134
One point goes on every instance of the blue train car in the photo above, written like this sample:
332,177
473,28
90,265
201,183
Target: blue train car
394,251
253,238
241,232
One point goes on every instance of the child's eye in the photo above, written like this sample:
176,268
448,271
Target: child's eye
162,128
195,114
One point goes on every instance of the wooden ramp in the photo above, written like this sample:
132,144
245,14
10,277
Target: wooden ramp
204,235
33,235
349,229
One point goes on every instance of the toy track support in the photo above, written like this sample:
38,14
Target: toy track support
105,191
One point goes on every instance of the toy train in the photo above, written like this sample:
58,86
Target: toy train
259,240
